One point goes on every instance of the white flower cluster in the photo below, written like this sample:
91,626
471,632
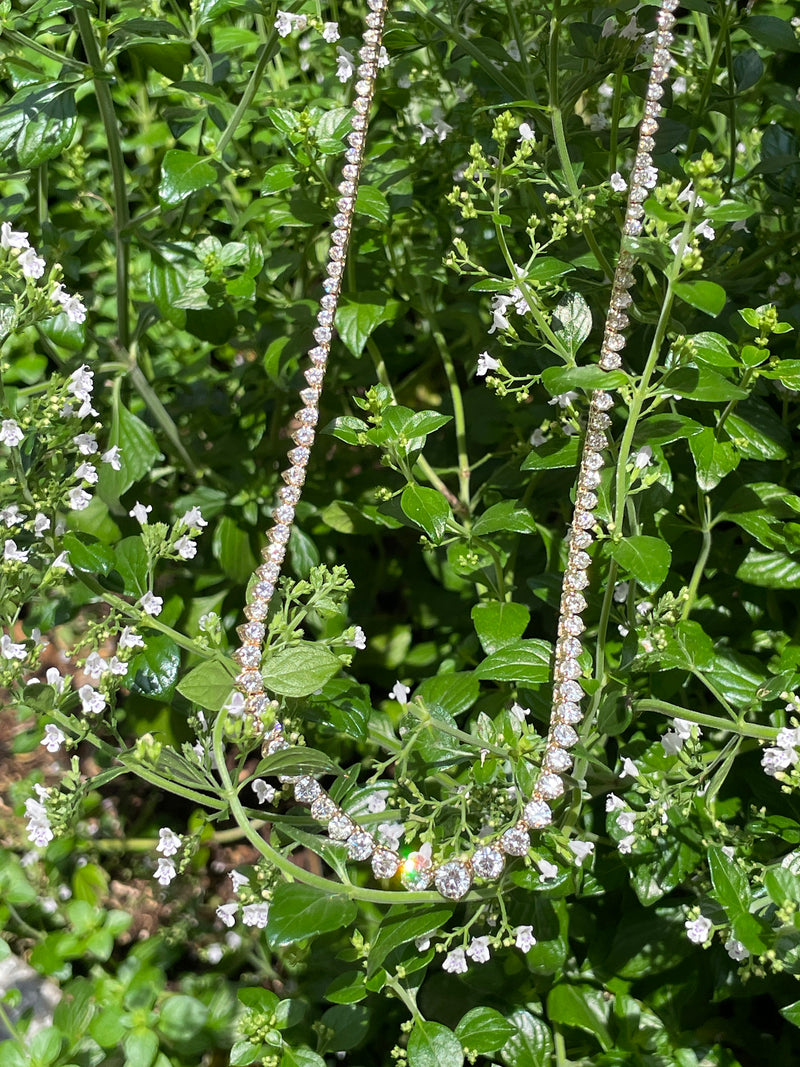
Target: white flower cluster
784,754
478,950
625,819
255,914
168,845
673,740
501,302
39,830
33,268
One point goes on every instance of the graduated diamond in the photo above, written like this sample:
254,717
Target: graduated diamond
323,809
565,735
550,785
515,842
340,827
537,814
453,880
307,789
385,863
488,862
360,845
556,760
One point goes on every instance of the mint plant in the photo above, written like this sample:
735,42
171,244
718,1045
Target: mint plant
169,176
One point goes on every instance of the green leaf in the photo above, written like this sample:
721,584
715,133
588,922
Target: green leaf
484,1030
773,32
581,1006
208,685
359,316
713,459
557,380
404,923
502,518
531,1045
154,670
297,759
370,201
786,371
140,1047
130,562
349,1024
572,322
300,670
347,988
701,384
792,1013
299,912
37,124
646,559
433,1045
89,883
427,508
183,173
712,348
231,547
770,570
705,296
663,429
45,1046
729,882
524,663
182,1017
453,692
90,556
244,1053
553,454
301,1057
138,454
279,177
748,67
499,624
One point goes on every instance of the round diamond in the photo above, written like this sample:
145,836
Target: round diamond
602,400
307,789
550,785
488,862
556,760
581,538
581,560
571,691
340,828
570,668
537,814
453,880
385,863
572,625
515,842
565,735
569,712
360,845
416,871
248,656
250,682
323,809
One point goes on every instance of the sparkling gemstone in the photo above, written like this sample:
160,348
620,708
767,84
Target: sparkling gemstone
569,646
601,400
568,711
550,785
615,341
556,760
367,70
298,456
377,5
284,514
325,317
571,691
276,552
652,108
256,703
611,361
347,189
581,560
294,476
356,140
537,814
337,255
322,333
350,170
335,268
250,681
664,39
371,37
360,845
252,631
488,862
277,744
587,501
565,735
576,580
416,872
314,376
590,479
584,519
620,299
596,440
310,397
599,420
574,603
345,203
307,789
618,320
635,211
594,461
570,669
453,880
279,533
257,610
308,416
263,590
515,842
374,20
330,285
367,53
581,538
655,91
361,104
385,863
353,156
248,656
291,494
330,302
358,122
323,809
572,624
340,827
363,87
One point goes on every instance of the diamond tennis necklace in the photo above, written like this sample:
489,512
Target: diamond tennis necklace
486,862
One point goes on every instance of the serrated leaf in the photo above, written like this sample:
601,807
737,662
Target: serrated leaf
183,173
531,1045
646,559
299,912
713,459
730,885
300,670
524,663
453,692
433,1045
558,380
572,322
427,508
37,124
90,556
581,1006
208,685
701,384
152,671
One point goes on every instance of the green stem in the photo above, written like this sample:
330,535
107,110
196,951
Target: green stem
702,559
105,104
712,722
267,52
440,726
22,41
459,417
560,1046
162,416
5,1018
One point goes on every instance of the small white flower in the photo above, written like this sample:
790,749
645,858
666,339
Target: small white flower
117,666
643,457
330,32
672,743
580,849
140,512
40,832
479,949
235,705
130,639
629,769
193,518
255,915
87,472
524,938
788,738
563,399
344,65
621,590
422,943
151,604
95,665
238,880
775,760
643,607
12,554
520,713
226,913
186,547
626,820
264,791
400,693
626,844
10,649
12,516
41,524
359,640
113,457
617,182
86,443
547,870
455,962
736,950
614,803
376,803
54,678
79,499
168,842
32,265
705,229
12,238
526,132
485,364
538,437
698,930
92,702
283,23
383,58
165,871
391,832
10,433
